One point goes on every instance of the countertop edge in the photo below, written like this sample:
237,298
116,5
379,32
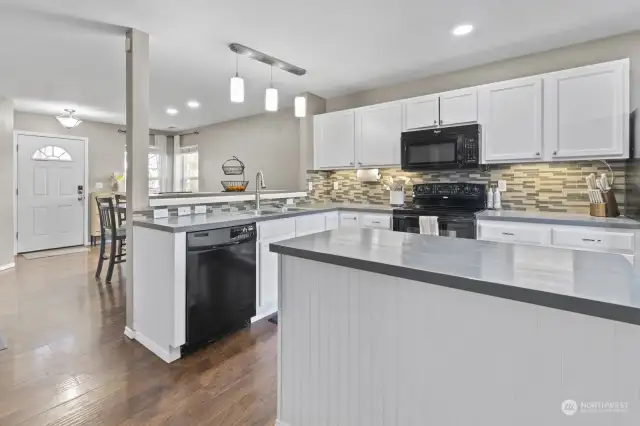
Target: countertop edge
239,219
559,221
594,308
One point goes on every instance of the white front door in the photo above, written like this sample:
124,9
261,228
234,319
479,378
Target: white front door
51,212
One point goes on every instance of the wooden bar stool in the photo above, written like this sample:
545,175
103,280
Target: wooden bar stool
112,233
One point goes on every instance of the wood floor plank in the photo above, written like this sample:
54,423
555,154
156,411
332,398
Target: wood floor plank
69,364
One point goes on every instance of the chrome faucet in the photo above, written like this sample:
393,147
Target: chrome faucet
259,185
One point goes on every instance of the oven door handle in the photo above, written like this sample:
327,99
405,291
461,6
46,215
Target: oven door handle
406,217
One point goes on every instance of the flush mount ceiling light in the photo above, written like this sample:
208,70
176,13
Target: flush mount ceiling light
68,120
172,111
193,104
236,87
300,106
271,96
461,30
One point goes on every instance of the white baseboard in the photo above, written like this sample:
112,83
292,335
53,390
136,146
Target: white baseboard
129,333
167,356
7,266
263,316
280,423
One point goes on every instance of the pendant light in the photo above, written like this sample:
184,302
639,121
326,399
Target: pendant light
68,120
236,87
271,96
300,104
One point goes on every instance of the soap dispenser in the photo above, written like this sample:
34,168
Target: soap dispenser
497,202
490,197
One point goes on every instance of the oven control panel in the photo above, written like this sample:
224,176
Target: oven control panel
449,189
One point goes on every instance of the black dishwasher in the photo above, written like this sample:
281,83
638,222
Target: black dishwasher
221,283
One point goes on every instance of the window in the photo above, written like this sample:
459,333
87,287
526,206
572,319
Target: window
187,169
51,153
155,171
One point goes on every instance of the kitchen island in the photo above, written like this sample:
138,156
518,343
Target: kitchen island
378,327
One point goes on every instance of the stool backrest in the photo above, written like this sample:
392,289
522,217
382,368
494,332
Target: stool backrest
107,214
121,213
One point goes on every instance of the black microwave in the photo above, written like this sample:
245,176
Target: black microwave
456,147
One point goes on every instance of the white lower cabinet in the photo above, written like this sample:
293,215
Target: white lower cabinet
375,221
310,224
349,220
332,221
606,240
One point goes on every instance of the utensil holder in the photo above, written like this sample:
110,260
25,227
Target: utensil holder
611,203
598,209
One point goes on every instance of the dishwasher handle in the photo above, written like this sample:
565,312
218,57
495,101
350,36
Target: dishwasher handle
214,247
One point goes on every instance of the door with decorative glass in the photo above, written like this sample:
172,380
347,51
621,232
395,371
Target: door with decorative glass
51,192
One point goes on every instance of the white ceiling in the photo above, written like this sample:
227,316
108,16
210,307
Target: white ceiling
57,54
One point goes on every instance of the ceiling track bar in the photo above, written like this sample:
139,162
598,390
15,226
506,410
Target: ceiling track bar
266,59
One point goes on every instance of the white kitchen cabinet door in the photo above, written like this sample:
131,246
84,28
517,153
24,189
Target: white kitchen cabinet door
587,112
332,221
459,106
267,291
378,131
349,220
511,120
420,113
310,224
333,139
375,221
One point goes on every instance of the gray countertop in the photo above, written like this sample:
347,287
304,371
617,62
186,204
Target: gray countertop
552,218
597,284
203,222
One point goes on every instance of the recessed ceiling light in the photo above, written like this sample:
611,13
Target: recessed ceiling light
461,30
193,104
172,111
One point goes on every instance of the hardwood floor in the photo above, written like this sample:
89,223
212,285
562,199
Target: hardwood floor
68,362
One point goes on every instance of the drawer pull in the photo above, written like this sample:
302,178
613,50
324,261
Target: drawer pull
376,221
591,240
508,233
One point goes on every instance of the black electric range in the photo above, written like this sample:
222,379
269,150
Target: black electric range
455,204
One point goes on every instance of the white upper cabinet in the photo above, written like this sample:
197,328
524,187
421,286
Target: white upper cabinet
511,120
587,112
377,135
333,136
420,113
459,106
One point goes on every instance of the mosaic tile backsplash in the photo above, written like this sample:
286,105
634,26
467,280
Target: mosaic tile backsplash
551,187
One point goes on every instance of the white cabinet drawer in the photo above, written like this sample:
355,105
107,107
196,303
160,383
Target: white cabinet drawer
594,239
310,224
515,233
276,228
377,221
349,220
332,220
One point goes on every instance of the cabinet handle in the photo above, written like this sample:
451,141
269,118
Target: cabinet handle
359,162
555,152
435,121
538,154
508,233
441,122
376,221
351,163
591,240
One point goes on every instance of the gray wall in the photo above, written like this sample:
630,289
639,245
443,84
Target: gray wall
106,145
315,105
6,182
624,46
267,142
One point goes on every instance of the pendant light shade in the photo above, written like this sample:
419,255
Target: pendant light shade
68,120
271,100
300,104
271,96
236,87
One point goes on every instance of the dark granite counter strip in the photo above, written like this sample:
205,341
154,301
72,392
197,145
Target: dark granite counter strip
550,218
195,223
597,284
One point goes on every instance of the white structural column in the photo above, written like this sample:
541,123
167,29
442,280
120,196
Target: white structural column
315,105
7,233
137,47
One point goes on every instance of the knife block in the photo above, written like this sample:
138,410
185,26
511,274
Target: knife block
612,204
598,209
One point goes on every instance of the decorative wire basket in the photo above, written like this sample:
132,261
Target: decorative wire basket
234,185
233,167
